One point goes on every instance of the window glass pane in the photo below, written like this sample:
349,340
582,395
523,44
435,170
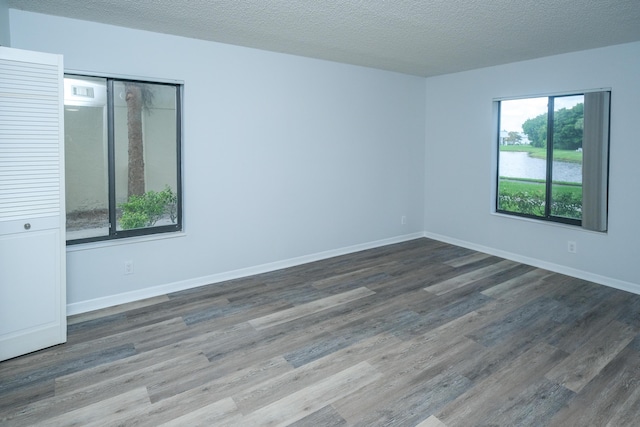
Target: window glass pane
522,156
568,124
85,116
145,141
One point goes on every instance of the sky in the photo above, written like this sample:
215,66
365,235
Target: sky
516,111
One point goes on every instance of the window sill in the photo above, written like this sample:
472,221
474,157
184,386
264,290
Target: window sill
124,241
549,223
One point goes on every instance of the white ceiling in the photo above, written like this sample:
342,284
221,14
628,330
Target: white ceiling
423,38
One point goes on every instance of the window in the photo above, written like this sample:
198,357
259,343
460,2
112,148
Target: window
122,158
553,155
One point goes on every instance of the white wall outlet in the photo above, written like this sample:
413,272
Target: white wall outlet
128,267
403,220
572,247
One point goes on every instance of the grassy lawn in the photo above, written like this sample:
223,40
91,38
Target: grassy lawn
571,156
532,185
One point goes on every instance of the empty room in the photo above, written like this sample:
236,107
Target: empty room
319,213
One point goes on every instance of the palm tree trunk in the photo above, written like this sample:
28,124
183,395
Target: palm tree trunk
134,100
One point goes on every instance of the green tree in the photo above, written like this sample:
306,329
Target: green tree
513,138
536,130
567,128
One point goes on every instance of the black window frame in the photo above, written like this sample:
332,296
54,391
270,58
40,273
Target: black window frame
549,161
114,233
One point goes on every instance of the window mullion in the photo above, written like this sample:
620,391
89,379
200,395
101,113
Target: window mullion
179,151
111,157
549,175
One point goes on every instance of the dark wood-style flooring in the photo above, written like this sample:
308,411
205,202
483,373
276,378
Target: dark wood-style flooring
420,333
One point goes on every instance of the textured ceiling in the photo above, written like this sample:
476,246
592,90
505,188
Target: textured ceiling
424,38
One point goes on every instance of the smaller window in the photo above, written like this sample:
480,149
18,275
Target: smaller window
553,158
122,158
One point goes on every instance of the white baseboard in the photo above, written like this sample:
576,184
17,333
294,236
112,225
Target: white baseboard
557,268
154,291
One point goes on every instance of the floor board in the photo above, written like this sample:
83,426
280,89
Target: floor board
420,333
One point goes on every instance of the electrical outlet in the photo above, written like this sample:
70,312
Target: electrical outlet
403,220
572,247
128,267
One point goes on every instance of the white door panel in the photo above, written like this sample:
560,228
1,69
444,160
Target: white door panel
30,276
32,246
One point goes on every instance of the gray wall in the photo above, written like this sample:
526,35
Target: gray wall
290,159
460,156
286,159
5,34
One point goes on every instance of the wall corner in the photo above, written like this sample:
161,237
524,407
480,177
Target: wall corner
5,33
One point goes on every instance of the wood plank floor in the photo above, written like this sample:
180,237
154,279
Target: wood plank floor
420,333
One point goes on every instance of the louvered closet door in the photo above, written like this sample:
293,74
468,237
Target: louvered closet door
32,242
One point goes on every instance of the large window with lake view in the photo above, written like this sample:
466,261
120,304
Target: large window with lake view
553,158
122,157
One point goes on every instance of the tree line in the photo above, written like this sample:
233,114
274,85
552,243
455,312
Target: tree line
568,125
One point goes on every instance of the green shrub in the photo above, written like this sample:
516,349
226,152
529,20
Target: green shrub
146,210
565,204
525,202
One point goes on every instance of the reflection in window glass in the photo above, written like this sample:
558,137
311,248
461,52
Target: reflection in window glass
86,180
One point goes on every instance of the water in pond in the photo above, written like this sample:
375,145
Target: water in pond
518,164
